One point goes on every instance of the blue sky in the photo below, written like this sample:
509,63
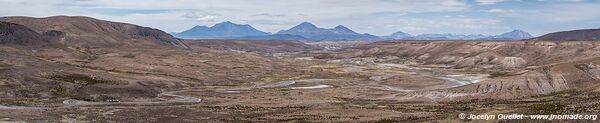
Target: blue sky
379,17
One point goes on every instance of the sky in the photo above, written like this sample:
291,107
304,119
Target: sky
378,17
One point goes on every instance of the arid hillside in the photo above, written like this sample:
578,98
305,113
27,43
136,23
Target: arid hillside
479,55
15,34
518,69
574,35
86,32
98,60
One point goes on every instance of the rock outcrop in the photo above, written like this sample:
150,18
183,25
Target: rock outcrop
11,33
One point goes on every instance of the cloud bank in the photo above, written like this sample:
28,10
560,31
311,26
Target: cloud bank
380,17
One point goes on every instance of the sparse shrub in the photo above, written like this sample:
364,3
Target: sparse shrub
498,74
60,91
4,64
128,56
324,56
384,121
547,108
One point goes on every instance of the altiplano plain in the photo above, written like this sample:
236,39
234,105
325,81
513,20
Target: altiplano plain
56,69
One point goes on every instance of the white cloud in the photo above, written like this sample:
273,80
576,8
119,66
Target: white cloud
419,25
372,16
487,2
209,18
204,17
571,12
269,15
497,10
564,0
255,12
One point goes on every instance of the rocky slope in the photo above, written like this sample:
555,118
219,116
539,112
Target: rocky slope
98,60
93,33
579,76
574,35
520,69
482,55
11,33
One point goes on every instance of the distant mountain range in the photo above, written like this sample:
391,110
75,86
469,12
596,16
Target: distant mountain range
513,35
312,32
449,37
304,32
309,32
273,37
220,31
399,35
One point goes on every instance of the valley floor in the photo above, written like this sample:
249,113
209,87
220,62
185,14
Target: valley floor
301,88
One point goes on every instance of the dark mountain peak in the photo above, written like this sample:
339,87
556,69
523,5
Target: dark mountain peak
229,24
226,24
221,30
306,25
341,27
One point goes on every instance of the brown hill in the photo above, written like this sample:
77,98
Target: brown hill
480,55
574,35
93,33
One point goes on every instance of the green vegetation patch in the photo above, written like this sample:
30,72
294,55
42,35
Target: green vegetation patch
498,74
129,56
